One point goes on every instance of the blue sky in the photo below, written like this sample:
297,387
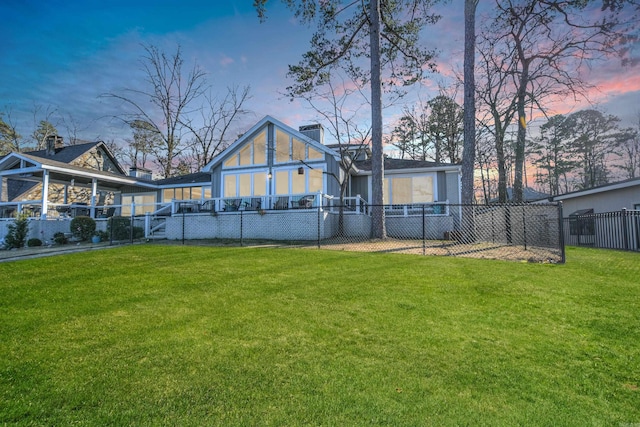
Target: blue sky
62,55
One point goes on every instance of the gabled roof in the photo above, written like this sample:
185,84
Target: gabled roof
69,153
255,128
43,163
391,164
600,189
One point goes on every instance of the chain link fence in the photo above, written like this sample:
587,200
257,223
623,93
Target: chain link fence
527,232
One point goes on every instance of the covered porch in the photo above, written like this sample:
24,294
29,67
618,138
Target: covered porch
47,189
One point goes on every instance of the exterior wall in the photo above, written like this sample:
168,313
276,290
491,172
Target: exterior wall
453,187
360,185
251,225
606,201
411,227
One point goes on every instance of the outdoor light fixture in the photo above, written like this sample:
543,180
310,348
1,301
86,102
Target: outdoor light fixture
300,170
269,175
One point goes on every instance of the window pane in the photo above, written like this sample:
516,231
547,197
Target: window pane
245,155
232,161
298,182
167,195
259,184
207,193
282,146
148,204
422,188
315,154
401,190
315,180
178,194
385,191
259,149
245,184
282,182
298,150
196,193
229,186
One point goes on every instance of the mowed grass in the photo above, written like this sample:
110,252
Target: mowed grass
190,336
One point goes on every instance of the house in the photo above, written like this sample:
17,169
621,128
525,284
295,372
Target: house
270,167
605,198
607,216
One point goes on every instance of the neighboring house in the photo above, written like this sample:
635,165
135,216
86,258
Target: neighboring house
607,216
605,198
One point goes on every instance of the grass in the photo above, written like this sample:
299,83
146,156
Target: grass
189,336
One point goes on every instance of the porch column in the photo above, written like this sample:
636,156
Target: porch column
94,192
45,194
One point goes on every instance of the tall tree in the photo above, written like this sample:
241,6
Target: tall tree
630,152
553,156
164,103
44,130
145,137
445,124
469,106
551,41
9,137
594,136
392,29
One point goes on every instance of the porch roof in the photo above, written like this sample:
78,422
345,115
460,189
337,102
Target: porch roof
29,167
364,167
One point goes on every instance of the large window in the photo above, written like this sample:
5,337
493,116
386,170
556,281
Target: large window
142,203
186,193
254,152
245,184
289,149
400,190
291,182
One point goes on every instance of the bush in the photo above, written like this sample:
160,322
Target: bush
83,227
34,242
60,239
17,232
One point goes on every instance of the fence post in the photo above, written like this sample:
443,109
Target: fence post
625,229
241,230
319,213
424,243
524,227
561,233
183,221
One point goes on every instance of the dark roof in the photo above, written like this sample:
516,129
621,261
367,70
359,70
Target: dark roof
65,154
397,164
528,195
192,178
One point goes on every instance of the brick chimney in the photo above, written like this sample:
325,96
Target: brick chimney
53,142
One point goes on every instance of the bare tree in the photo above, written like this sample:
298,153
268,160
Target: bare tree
630,152
170,92
211,131
550,41
44,127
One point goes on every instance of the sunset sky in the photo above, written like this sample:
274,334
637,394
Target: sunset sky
63,54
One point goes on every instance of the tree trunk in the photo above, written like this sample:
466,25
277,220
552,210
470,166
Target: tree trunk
469,149
377,161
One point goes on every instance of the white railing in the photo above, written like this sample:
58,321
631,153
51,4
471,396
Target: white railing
418,209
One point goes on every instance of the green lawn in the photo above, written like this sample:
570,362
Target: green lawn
190,336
